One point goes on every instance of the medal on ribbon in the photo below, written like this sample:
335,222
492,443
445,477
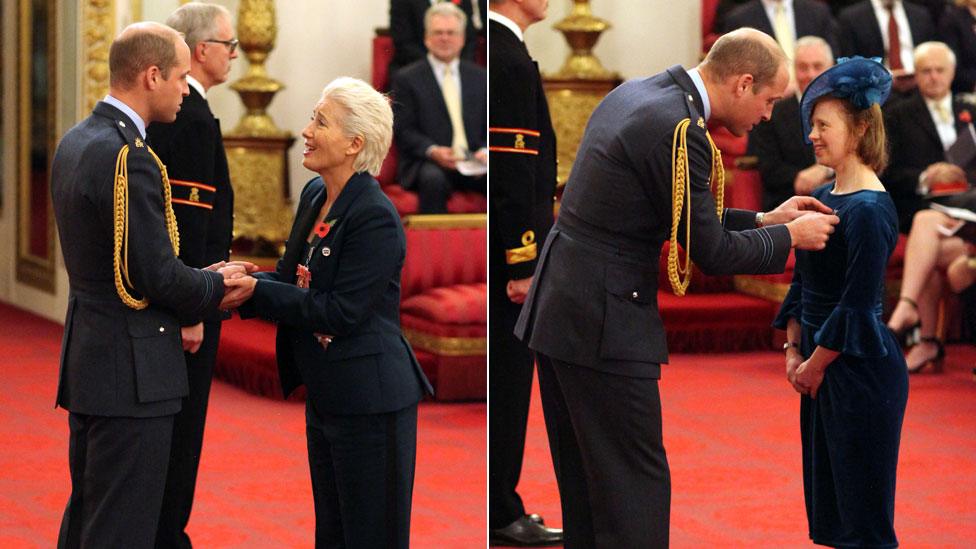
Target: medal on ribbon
303,276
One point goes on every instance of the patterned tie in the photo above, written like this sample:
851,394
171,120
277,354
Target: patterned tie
894,41
783,29
452,98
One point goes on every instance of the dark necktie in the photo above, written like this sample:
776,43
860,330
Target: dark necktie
894,44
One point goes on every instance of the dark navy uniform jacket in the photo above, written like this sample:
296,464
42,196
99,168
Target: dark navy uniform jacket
203,199
522,146
354,296
118,361
594,296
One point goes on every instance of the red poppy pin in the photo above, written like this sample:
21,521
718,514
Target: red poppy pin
965,117
322,229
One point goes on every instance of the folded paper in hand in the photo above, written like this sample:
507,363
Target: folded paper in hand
472,167
964,226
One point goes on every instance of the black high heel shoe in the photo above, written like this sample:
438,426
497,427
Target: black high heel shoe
936,361
909,336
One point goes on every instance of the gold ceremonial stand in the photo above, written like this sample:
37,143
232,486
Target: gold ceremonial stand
576,89
257,150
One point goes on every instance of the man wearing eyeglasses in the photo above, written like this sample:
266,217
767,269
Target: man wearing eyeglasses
203,200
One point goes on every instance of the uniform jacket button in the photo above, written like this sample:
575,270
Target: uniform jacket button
634,295
162,329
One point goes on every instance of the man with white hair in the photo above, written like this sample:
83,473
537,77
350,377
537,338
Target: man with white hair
203,201
922,128
786,161
440,106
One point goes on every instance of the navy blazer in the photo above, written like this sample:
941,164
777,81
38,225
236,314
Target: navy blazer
860,31
118,361
957,29
593,300
914,145
421,118
354,296
811,18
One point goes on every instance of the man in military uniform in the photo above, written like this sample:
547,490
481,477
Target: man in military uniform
523,179
591,314
123,375
203,201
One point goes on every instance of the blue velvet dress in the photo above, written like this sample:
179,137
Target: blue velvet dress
851,431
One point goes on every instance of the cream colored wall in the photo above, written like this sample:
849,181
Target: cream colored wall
647,36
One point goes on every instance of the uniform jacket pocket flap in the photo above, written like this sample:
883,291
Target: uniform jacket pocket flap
631,283
352,346
148,324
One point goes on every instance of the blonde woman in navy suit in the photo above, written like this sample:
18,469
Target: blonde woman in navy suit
335,295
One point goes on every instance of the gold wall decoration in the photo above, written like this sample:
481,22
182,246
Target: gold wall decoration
37,97
256,148
579,86
98,31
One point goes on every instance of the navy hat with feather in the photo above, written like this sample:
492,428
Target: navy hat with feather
861,81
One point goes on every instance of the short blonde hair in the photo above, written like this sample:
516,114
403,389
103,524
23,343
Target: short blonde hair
445,9
365,113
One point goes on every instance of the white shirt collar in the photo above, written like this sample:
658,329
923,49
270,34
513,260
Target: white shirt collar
196,85
501,19
127,110
439,65
700,86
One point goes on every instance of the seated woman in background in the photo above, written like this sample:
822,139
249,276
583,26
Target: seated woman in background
928,253
335,296
846,364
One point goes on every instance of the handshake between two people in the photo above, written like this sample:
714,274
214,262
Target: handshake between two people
238,284
238,288
809,221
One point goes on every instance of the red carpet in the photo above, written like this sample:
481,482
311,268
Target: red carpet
731,431
253,489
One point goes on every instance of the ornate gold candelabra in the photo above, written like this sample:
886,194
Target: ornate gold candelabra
582,82
256,148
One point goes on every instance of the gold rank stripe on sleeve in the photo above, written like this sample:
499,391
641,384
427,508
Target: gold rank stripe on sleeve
192,189
527,252
513,140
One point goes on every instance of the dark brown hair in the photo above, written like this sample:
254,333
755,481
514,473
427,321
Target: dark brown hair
872,146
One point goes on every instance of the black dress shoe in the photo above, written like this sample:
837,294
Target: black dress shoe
527,531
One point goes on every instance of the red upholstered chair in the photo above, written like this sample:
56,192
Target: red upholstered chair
444,304
707,23
382,55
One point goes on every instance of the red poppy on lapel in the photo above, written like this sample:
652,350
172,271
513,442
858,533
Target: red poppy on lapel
322,229
965,117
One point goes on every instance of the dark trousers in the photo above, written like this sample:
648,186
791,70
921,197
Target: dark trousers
605,437
118,470
362,469
184,458
434,186
510,386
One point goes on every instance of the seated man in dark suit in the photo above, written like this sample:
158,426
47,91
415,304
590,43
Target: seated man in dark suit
440,111
920,131
786,161
784,20
407,29
912,25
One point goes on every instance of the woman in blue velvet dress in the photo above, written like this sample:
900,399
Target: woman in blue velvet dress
840,356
